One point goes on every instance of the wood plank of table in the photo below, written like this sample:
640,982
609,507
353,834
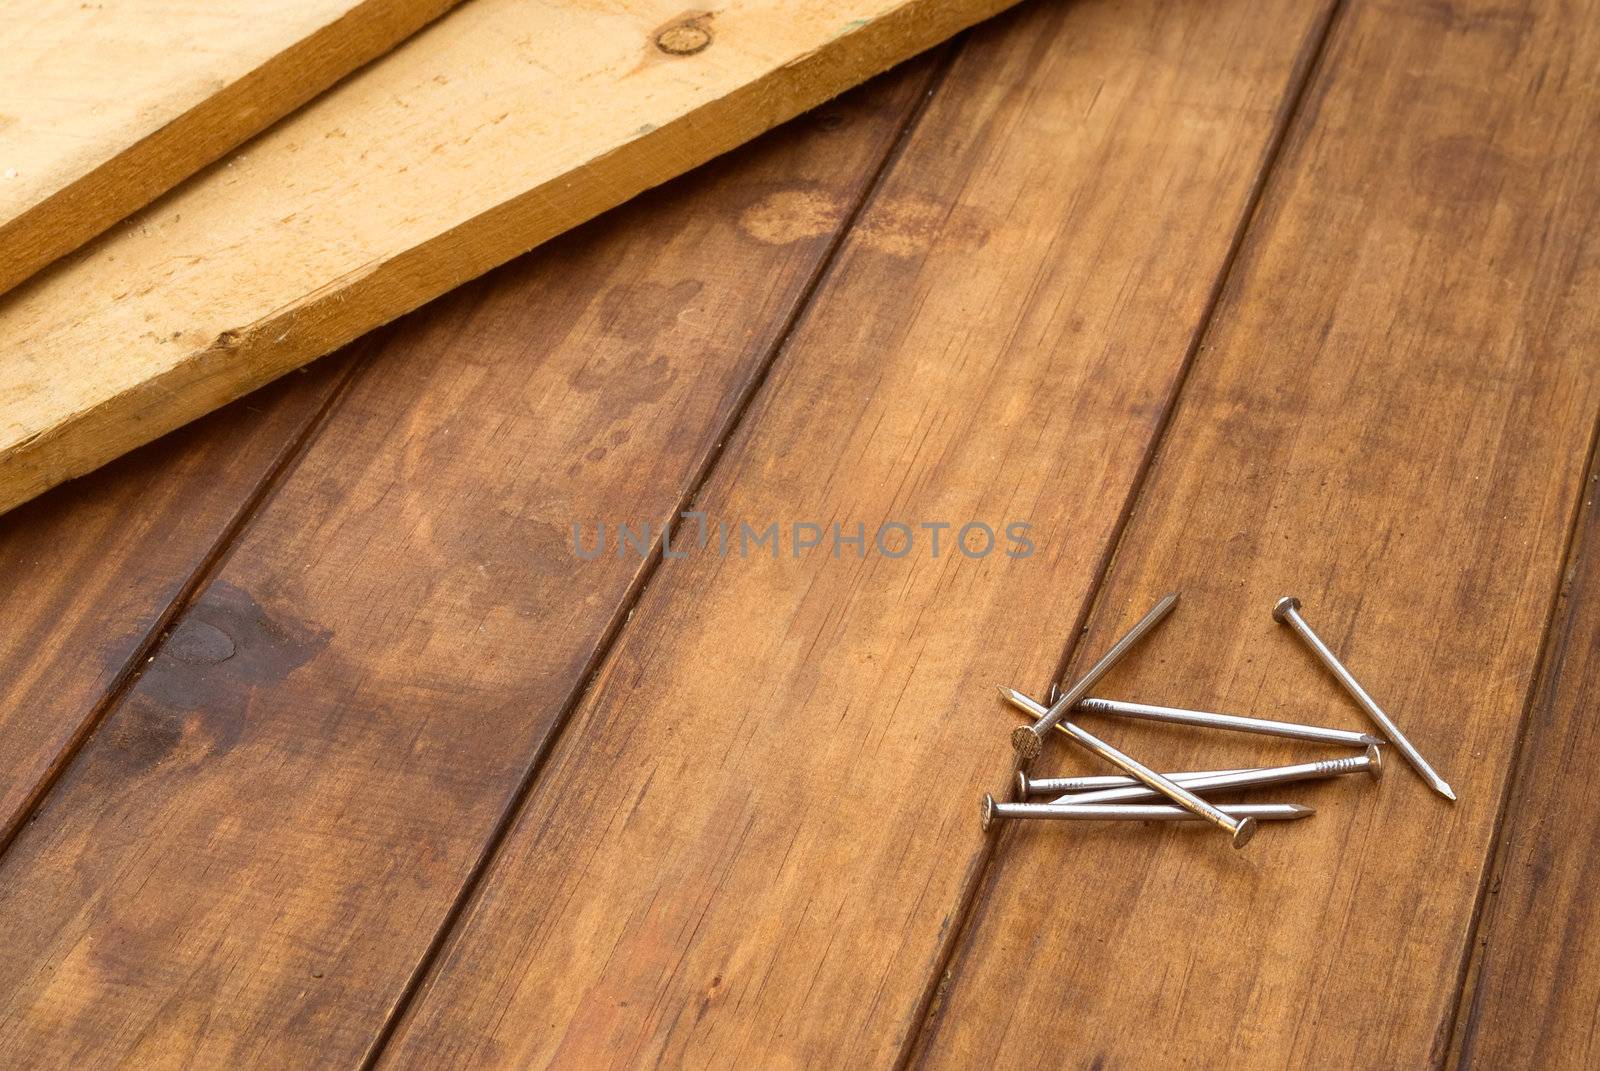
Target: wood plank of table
249,859
1535,980
492,130
92,572
104,107
1390,419
751,843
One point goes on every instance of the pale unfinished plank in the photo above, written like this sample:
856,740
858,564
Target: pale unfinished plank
492,130
106,106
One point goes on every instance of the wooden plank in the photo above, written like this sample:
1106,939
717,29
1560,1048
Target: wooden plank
93,571
749,846
1535,983
247,862
494,129
1389,418
104,107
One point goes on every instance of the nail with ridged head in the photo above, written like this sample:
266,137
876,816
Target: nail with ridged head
1028,740
1287,611
1055,786
1136,812
1292,730
1242,829
1317,734
1370,763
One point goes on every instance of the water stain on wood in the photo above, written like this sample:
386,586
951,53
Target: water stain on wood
192,700
1462,171
910,226
791,215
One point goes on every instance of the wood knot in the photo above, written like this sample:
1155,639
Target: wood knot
686,35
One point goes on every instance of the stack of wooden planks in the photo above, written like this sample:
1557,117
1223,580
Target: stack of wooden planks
497,127
324,749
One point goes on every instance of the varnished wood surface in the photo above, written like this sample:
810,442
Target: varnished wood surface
1534,992
1376,426
780,758
247,861
402,782
93,572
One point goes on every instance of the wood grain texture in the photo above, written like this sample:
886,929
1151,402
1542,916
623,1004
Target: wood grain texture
749,845
489,132
106,106
1535,986
249,859
1390,418
92,571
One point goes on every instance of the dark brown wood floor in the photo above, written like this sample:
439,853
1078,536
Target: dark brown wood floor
323,748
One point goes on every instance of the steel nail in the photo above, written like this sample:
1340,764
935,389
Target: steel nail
1055,786
1181,716
1028,740
1370,763
1287,611
1265,726
1242,829
1136,812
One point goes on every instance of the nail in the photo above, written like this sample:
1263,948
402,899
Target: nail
1180,716
1242,829
1055,786
1370,763
1287,611
1137,812
1264,726
1028,740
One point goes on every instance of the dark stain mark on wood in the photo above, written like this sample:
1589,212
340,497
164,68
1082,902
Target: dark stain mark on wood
193,697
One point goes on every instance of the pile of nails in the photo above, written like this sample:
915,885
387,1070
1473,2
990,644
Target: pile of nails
1111,798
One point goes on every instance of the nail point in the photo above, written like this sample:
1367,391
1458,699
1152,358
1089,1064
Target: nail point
1348,682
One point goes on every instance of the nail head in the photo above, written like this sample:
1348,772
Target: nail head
1026,742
